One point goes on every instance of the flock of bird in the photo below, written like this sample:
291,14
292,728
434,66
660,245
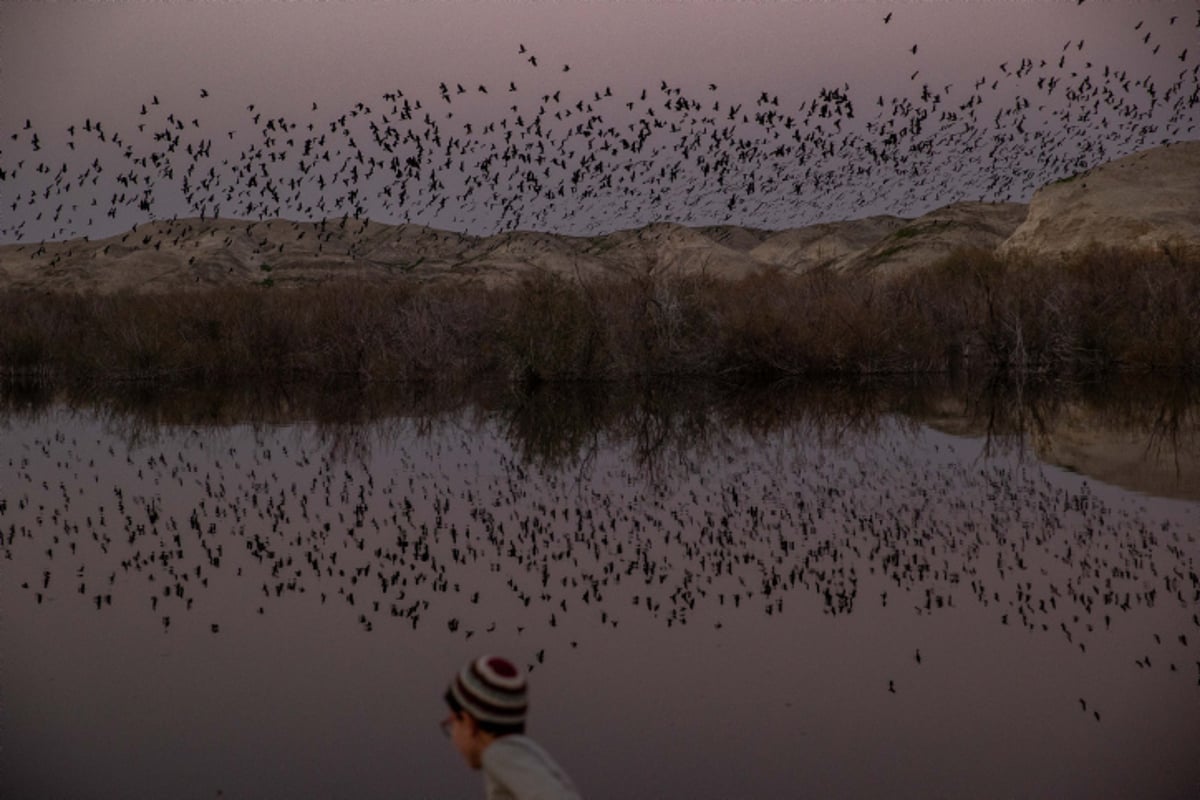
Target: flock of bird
507,153
441,526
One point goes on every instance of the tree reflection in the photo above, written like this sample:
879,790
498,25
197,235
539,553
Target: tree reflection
563,425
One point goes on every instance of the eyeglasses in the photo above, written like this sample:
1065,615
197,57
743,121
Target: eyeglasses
445,725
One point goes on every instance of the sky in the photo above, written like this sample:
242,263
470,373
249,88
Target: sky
763,114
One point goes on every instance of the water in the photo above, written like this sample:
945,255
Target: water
836,593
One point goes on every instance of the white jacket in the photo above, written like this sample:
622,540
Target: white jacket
516,768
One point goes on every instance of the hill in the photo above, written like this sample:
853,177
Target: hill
1147,200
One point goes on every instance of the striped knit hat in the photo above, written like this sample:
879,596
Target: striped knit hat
492,690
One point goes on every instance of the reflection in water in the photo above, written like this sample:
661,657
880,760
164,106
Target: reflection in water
720,593
1139,432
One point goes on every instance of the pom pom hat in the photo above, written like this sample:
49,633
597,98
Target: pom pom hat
492,690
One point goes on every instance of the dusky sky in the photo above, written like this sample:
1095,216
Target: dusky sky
765,114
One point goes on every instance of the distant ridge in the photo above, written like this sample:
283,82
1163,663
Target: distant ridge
1150,199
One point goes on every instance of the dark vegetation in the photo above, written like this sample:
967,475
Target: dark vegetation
1102,312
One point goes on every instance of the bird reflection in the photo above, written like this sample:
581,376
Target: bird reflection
445,527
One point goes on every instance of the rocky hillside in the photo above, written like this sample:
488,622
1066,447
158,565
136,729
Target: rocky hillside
1149,199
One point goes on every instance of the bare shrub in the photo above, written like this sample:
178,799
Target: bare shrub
549,331
1100,311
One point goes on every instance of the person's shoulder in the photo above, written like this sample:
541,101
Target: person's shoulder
516,751
517,744
526,770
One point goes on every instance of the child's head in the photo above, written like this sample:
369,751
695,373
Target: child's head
487,699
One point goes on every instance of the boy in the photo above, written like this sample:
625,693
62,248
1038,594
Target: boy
488,700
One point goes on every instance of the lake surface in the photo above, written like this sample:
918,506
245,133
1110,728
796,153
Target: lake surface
796,592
